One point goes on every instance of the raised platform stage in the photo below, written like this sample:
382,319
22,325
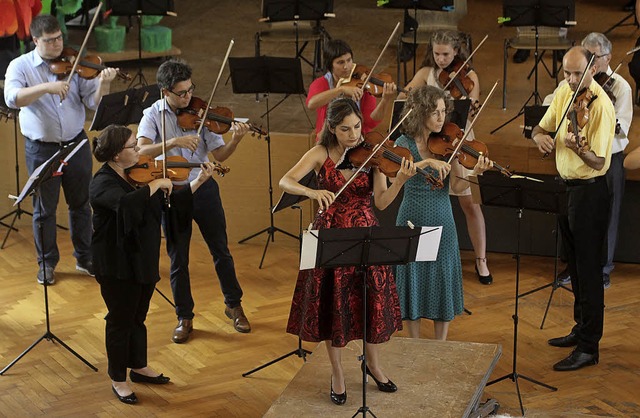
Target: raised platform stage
435,379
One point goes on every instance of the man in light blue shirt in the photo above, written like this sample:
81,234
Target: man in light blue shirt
52,116
174,79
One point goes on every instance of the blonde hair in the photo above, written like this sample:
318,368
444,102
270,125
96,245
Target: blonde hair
452,38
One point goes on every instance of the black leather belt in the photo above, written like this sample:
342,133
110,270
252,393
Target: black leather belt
582,182
81,135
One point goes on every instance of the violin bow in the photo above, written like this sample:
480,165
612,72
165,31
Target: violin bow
631,51
455,73
215,86
380,55
84,43
373,152
615,70
163,135
570,105
470,127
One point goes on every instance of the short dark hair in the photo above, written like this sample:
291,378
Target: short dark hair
337,110
42,24
333,49
171,72
110,142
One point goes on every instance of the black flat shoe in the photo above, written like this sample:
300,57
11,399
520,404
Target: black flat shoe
484,279
388,386
140,378
338,398
129,399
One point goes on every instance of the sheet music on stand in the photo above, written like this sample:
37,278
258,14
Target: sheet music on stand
425,248
40,171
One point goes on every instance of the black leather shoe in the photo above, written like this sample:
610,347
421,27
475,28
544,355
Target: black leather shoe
129,399
156,380
338,398
521,55
566,341
388,386
484,279
575,361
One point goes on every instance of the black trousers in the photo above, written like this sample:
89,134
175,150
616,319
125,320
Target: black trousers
584,233
208,213
125,331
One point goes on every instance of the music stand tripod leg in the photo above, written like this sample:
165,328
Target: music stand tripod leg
48,334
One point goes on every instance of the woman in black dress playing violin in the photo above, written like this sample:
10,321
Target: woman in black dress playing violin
445,49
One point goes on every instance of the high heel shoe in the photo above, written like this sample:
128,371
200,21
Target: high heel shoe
483,279
338,398
388,386
129,399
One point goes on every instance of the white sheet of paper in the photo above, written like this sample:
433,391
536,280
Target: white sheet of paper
429,243
309,249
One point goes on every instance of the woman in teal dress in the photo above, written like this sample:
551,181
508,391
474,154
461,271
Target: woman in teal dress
430,289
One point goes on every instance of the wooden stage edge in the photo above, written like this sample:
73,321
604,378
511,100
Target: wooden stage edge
434,378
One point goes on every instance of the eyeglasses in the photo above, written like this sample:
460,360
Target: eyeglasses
182,94
134,147
49,41
602,55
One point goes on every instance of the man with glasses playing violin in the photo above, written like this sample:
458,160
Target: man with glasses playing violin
53,115
582,159
174,78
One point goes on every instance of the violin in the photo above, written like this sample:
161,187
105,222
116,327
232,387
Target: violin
88,68
606,82
443,144
387,159
456,80
218,120
374,86
579,116
148,169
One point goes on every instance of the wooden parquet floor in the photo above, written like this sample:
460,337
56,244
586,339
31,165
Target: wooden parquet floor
206,372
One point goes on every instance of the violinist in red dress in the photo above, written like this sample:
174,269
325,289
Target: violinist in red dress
327,303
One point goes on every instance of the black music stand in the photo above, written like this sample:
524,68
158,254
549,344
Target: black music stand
554,13
265,75
49,169
8,113
520,194
289,200
124,107
138,8
532,116
434,5
364,247
295,11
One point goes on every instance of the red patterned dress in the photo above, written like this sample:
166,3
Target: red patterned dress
327,303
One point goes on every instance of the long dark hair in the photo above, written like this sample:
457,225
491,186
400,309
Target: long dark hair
337,110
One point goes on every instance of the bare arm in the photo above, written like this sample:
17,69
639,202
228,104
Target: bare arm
543,141
323,98
632,160
420,79
383,195
312,160
28,95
